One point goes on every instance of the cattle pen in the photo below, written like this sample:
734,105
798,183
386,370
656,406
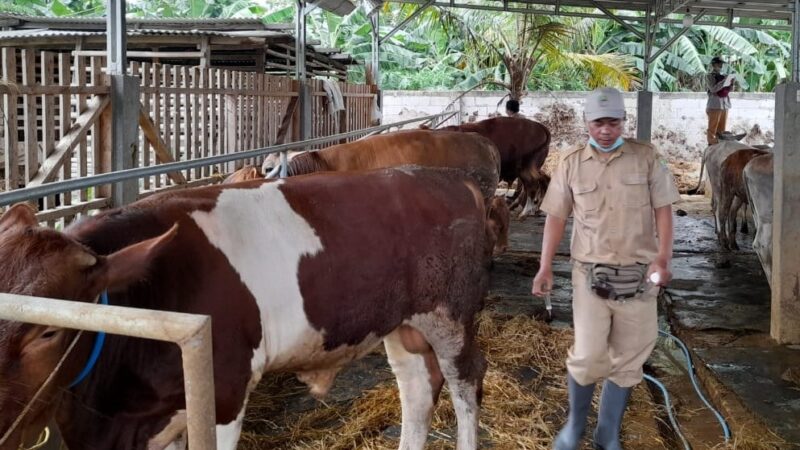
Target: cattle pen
229,94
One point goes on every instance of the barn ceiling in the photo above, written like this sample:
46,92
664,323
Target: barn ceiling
730,10
338,7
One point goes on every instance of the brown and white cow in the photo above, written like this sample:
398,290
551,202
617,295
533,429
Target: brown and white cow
523,145
732,194
300,275
713,158
759,180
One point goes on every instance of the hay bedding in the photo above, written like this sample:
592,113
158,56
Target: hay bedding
524,401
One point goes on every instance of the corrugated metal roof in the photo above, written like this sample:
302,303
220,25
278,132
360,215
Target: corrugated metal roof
46,33
133,20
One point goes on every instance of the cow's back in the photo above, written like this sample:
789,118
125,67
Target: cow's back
732,169
475,155
521,142
759,179
715,155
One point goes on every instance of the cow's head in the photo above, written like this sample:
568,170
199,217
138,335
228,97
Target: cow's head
42,262
498,218
248,172
728,136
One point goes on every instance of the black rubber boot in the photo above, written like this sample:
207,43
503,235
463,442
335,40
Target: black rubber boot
580,401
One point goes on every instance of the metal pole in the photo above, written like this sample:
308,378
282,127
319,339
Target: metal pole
192,332
405,21
116,38
58,187
124,91
677,36
796,42
304,96
375,20
648,46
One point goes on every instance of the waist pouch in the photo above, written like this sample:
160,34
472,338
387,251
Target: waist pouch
617,282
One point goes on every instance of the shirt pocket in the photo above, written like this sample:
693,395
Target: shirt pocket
586,198
636,190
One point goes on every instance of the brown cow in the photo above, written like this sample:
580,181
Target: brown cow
382,155
497,224
732,194
470,153
299,275
523,145
248,172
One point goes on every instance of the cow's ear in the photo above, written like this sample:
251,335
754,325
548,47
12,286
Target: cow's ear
17,217
132,263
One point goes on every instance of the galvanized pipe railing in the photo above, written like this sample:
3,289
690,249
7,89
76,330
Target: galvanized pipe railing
192,332
44,190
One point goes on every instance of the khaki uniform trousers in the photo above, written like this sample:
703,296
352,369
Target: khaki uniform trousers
613,339
716,124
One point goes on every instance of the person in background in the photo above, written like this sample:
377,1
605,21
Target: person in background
620,196
718,86
512,109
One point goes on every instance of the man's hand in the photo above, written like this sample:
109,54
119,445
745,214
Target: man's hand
542,282
660,266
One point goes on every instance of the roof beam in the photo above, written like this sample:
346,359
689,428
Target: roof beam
673,39
617,19
408,19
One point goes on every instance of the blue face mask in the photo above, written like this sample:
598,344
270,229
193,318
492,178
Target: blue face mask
613,147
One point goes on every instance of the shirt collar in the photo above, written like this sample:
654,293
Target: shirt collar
588,152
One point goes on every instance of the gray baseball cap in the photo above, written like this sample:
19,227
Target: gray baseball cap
604,102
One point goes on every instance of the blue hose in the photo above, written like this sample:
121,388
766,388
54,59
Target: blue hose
668,404
725,429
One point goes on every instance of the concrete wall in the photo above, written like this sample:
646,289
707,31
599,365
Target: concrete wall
679,119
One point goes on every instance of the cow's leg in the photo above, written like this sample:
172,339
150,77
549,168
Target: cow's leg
519,196
529,181
726,217
736,204
462,365
419,380
173,436
745,229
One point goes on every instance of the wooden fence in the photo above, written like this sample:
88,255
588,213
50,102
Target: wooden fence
57,116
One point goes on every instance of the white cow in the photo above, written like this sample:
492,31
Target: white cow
758,180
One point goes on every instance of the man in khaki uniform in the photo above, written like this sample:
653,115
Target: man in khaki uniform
620,197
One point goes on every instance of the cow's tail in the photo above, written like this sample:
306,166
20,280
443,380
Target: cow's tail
699,180
545,148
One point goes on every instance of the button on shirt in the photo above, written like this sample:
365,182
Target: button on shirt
612,202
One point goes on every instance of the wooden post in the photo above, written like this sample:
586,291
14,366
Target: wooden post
29,101
10,108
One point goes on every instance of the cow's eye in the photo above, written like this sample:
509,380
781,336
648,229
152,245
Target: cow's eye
49,333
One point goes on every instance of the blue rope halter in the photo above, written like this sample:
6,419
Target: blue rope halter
98,347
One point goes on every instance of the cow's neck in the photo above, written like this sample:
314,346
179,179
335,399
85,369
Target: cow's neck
114,407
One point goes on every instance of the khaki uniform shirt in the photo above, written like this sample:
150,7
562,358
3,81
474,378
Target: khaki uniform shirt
612,202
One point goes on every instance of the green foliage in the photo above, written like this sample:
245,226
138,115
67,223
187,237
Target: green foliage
458,49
